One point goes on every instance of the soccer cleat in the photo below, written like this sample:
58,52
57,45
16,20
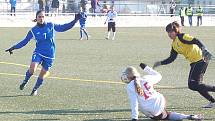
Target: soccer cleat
209,105
33,93
107,38
195,117
81,38
22,86
113,38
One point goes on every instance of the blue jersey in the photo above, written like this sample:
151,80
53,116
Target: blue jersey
13,3
45,38
83,19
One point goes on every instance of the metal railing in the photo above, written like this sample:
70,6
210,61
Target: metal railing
122,8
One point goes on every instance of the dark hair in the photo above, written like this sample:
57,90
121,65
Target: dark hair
38,12
174,26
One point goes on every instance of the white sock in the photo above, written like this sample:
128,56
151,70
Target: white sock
108,35
114,34
177,116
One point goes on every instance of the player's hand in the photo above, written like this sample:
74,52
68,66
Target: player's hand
207,55
134,120
143,65
156,64
10,50
77,16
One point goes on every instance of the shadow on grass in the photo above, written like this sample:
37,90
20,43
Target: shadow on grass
44,119
118,119
13,96
67,112
171,109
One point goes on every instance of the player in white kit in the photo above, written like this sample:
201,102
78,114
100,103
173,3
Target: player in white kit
144,98
111,19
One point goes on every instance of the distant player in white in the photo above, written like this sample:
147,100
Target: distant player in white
145,98
111,19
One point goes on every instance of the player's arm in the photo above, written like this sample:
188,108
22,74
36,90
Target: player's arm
170,59
186,39
106,19
153,76
67,26
133,101
21,43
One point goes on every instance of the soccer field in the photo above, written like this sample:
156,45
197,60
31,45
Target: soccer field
84,84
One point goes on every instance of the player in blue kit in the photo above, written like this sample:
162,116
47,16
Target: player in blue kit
44,53
82,22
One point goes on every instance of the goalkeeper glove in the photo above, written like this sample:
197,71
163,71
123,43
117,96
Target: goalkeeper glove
77,16
10,50
207,55
157,64
143,65
134,120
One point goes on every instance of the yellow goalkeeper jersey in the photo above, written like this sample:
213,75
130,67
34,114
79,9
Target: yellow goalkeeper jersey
182,45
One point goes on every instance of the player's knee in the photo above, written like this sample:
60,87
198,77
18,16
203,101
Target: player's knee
193,85
32,70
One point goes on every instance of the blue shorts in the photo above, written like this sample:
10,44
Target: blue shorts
45,62
82,27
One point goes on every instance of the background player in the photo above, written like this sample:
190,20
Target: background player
111,18
82,22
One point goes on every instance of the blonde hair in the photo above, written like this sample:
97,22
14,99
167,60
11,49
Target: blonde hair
132,70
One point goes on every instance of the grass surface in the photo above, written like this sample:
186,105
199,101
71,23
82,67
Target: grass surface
84,81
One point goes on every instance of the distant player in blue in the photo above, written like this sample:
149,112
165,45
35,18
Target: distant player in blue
82,22
44,53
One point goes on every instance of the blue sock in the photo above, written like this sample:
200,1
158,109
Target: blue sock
27,76
81,33
38,83
85,33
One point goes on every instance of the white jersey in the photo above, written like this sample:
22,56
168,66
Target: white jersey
111,16
152,103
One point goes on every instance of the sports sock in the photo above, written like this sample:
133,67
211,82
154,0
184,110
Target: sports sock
27,76
38,83
177,116
81,34
85,32
108,35
114,34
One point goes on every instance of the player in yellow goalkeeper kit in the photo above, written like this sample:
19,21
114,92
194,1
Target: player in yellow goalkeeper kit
195,52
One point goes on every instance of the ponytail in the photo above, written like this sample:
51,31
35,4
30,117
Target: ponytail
38,12
34,20
174,26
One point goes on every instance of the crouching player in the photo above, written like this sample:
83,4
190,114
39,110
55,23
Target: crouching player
145,98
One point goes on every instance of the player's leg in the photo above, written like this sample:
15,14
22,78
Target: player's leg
46,65
33,67
81,34
182,19
109,28
114,30
179,116
197,20
200,20
85,32
195,81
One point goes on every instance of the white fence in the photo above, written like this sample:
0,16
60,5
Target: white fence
123,20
